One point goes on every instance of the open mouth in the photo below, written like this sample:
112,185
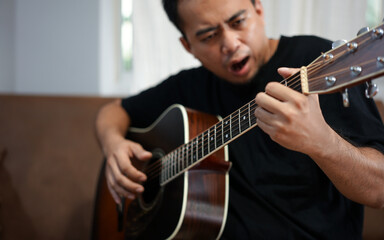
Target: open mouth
238,66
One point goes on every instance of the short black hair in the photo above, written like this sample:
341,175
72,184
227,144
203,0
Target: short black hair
171,8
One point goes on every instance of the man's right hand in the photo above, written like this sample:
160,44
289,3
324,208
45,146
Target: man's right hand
124,162
124,157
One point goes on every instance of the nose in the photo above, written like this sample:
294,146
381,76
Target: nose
230,42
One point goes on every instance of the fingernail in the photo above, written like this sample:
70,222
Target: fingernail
130,196
139,189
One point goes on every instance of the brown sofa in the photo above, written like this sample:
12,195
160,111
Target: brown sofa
49,164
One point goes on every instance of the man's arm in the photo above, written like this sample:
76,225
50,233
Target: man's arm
123,179
296,122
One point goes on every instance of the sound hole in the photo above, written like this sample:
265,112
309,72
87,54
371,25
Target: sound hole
152,185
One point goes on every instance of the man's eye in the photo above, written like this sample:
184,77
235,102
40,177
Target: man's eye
238,22
208,37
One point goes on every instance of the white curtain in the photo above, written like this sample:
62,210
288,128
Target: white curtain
158,52
333,19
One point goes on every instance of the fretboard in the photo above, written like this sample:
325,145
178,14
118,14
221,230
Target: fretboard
225,131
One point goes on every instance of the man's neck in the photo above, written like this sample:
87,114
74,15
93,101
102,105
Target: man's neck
272,47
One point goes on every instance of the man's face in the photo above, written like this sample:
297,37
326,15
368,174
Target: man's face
227,36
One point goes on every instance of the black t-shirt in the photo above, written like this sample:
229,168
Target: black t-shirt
275,193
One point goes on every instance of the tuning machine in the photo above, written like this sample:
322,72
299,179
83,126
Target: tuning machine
338,43
363,30
345,96
371,90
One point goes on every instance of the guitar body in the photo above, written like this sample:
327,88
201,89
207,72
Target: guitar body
193,205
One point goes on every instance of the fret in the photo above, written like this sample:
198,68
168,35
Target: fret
212,136
227,129
180,163
170,170
190,153
186,154
163,170
174,167
205,143
180,154
199,146
219,134
235,124
166,169
244,118
194,151
249,113
252,111
168,166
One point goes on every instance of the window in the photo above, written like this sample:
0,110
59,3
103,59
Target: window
374,13
126,35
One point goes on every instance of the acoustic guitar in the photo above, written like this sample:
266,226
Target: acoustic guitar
186,193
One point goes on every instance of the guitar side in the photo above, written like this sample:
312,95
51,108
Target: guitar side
193,205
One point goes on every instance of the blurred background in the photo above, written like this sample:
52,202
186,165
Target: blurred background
61,60
118,47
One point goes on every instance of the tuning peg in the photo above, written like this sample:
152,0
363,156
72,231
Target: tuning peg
345,98
338,43
363,30
371,90
380,61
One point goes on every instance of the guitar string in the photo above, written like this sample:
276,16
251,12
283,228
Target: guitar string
151,181
363,39
343,70
153,170
342,53
171,166
289,80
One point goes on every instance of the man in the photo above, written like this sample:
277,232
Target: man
306,170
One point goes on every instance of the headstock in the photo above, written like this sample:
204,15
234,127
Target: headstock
350,63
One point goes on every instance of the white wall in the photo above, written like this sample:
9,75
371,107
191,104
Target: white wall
55,47
69,47
7,27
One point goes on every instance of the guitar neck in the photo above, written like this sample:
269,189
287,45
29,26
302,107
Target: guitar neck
225,131
354,62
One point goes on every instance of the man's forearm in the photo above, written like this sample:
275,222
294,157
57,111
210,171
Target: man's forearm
357,172
111,124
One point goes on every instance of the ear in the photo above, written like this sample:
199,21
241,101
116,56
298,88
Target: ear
185,44
259,7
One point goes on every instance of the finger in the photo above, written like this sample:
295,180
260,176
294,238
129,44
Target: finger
286,72
139,152
282,93
115,196
268,102
265,127
115,190
126,167
265,116
123,183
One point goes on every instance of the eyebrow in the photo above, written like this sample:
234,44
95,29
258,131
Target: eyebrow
236,15
209,29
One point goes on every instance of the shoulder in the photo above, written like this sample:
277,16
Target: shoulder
301,50
191,73
193,77
294,51
308,41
